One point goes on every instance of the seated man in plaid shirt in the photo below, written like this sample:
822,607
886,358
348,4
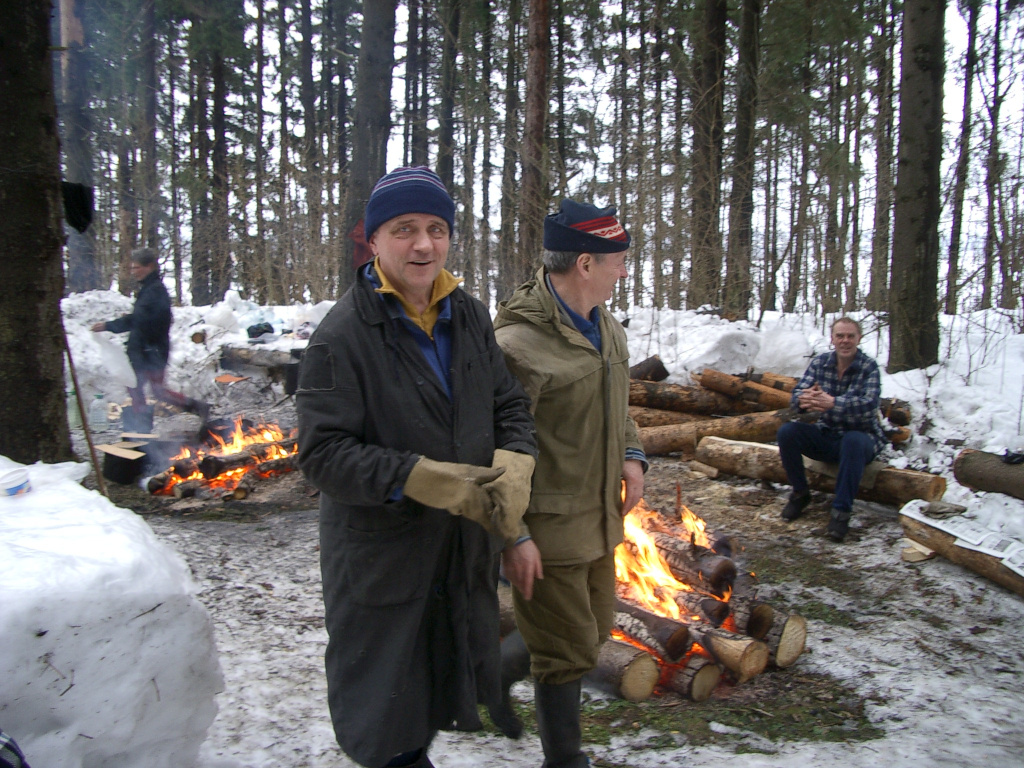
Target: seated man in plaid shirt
843,387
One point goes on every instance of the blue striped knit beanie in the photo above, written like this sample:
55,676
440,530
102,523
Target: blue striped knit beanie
408,190
584,228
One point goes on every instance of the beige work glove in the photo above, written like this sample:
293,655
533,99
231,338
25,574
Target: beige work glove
455,487
511,492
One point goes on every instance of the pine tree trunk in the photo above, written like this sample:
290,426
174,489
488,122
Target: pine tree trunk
738,282
32,428
914,327
533,201
963,160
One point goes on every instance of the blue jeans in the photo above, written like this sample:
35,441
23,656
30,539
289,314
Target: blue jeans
850,450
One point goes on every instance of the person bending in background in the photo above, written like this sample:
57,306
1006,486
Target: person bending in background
149,337
422,445
843,388
571,356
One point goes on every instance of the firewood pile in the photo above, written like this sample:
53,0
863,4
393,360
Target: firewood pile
687,616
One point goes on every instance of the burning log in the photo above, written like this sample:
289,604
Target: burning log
675,397
651,369
655,417
627,671
188,489
707,609
986,565
185,467
670,638
287,463
695,680
786,639
215,464
159,481
757,427
695,565
246,485
752,617
983,471
743,656
892,486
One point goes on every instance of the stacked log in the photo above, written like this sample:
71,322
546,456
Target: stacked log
983,471
761,462
696,679
625,670
759,427
676,397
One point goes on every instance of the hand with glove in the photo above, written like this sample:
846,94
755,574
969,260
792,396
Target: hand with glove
511,492
455,487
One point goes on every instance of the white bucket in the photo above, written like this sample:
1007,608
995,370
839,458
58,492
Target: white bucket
15,482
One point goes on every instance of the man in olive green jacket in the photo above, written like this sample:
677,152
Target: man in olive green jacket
571,356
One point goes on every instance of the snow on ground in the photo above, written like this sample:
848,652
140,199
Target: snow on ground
264,597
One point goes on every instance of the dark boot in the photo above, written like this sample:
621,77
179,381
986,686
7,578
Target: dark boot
796,505
838,525
515,665
558,720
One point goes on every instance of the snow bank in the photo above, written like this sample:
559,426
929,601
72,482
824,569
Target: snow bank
109,659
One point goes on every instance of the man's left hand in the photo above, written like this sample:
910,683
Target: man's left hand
633,474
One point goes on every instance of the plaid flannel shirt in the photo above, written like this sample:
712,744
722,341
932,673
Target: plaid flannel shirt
857,394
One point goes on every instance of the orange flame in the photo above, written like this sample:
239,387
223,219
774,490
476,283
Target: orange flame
239,440
642,570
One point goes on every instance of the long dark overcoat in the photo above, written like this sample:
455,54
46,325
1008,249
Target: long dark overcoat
409,590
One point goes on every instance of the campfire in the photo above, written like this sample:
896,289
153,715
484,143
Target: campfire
686,615
228,463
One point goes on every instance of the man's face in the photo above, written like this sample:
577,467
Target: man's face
413,249
606,270
846,339
140,271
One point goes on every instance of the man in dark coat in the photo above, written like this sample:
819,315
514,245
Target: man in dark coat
422,445
149,341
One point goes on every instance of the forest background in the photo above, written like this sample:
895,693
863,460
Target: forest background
787,155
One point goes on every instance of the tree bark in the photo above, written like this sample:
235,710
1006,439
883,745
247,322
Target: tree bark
738,281
675,397
372,123
982,471
33,420
963,159
656,417
651,369
533,198
672,638
892,486
913,304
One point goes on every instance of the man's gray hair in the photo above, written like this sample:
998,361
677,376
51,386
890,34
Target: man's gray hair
560,262
144,257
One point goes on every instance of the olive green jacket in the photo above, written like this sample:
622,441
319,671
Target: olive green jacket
580,401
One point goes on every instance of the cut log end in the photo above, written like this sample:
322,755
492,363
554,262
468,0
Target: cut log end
697,680
787,639
629,672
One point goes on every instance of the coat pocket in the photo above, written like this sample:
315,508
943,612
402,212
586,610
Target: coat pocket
388,567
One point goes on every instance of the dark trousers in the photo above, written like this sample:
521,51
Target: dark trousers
850,450
155,380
